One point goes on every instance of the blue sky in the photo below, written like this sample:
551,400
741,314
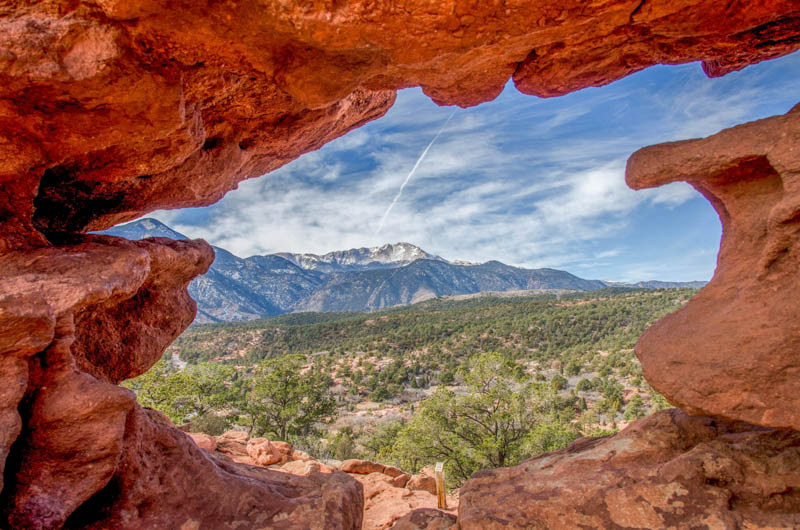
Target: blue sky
527,181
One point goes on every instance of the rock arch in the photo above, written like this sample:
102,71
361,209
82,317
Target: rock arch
110,109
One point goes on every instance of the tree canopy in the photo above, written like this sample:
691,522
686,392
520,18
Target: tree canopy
190,394
489,426
287,399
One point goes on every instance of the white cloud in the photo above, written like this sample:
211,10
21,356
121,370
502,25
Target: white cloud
526,181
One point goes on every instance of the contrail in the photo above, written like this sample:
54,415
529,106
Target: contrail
411,173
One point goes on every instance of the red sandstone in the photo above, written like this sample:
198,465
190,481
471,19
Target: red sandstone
110,109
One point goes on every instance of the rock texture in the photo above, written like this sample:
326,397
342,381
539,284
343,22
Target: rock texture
734,350
163,480
113,108
669,470
61,375
78,449
385,503
386,498
426,519
365,467
423,481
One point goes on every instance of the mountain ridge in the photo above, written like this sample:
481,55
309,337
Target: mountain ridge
363,258
358,279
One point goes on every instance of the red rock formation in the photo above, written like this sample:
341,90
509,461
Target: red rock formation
423,481
669,470
163,480
385,503
74,418
87,452
386,499
263,452
27,326
113,108
204,441
365,467
732,351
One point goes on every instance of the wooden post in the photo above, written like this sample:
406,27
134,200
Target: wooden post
438,476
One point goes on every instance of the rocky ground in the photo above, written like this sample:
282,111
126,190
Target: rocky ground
392,498
669,470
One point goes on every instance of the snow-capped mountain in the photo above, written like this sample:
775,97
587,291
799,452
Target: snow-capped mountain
360,279
386,256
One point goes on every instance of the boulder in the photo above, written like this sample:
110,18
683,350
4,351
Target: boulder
400,481
422,482
236,436
262,452
664,471
235,449
426,519
299,455
392,471
204,441
301,467
361,467
284,449
365,467
384,504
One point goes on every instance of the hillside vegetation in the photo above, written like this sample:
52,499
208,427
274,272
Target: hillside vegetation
537,327
387,385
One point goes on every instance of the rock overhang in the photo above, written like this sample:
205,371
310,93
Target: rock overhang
110,109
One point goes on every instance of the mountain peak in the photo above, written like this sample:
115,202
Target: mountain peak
144,228
398,252
358,279
387,255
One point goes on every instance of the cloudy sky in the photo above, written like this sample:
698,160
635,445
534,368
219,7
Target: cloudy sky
527,181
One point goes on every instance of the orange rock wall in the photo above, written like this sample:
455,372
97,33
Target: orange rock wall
110,109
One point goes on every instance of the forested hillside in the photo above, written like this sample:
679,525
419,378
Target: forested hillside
538,327
387,385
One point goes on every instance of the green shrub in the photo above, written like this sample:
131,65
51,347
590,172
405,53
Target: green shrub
558,382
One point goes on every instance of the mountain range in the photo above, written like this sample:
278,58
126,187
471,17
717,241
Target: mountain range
361,279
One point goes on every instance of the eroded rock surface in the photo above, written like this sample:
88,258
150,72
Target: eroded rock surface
73,418
669,470
78,449
385,503
734,350
387,499
213,491
114,108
